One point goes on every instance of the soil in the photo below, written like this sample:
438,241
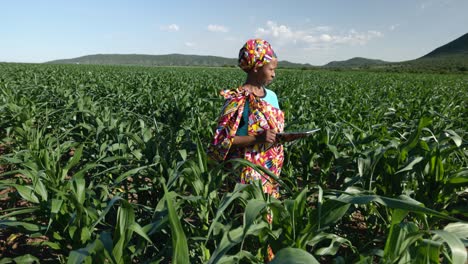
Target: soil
14,244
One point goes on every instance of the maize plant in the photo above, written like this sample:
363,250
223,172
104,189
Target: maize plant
108,164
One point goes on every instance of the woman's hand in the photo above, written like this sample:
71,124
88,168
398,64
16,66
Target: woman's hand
267,136
282,138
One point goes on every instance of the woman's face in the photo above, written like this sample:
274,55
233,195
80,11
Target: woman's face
266,74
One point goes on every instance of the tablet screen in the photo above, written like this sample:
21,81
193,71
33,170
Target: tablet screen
299,133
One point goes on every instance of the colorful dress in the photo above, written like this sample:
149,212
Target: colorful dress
262,116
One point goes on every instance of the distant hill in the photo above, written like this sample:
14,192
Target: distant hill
148,60
163,60
356,62
287,64
457,47
451,57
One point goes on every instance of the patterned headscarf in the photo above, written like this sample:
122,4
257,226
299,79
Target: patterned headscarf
254,54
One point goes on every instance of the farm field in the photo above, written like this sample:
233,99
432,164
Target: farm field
108,164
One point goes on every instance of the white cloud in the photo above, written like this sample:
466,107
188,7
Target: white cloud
217,28
393,27
316,36
326,38
189,44
322,28
375,33
170,28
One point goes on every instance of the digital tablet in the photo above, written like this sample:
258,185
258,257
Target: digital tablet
293,135
299,133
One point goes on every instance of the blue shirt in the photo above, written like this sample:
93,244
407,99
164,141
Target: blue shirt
270,97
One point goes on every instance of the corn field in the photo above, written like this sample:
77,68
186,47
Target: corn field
108,164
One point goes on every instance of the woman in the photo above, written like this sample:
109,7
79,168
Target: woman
251,118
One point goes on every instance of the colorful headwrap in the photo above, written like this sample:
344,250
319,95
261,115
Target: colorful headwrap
255,53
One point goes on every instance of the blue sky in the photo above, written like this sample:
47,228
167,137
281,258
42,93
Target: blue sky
314,32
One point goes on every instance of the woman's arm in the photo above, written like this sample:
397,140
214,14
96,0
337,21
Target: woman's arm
268,136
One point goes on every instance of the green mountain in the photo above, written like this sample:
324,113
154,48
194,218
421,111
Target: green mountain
163,60
148,60
356,62
450,57
458,47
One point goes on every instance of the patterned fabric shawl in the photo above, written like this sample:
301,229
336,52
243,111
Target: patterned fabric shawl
262,116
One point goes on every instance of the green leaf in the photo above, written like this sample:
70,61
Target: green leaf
179,241
117,146
106,210
414,138
85,235
39,188
427,252
155,226
238,258
122,232
56,204
331,211
135,227
71,231
252,210
125,218
25,225
456,246
131,173
459,177
261,170
363,166
73,161
118,250
6,261
410,165
455,137
27,192
183,154
52,245
400,238
335,243
19,211
80,255
459,229
227,200
293,256
106,240
229,240
25,259
201,154
79,188
408,205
